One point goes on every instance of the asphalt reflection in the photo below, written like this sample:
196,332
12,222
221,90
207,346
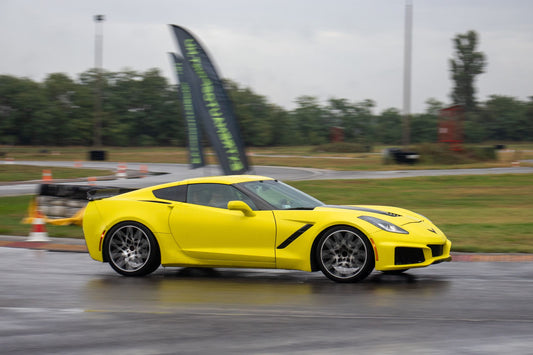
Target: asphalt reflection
233,290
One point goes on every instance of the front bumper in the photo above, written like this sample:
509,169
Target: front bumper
393,256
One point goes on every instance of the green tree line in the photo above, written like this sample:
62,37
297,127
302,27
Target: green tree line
143,109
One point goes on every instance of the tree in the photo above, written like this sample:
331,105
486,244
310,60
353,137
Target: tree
464,67
310,118
433,106
505,119
162,122
23,113
389,127
140,109
423,128
355,118
58,127
253,114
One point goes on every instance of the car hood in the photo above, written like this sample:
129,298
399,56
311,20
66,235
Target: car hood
396,215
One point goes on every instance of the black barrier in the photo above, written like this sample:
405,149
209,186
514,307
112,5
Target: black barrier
57,201
402,157
78,192
99,155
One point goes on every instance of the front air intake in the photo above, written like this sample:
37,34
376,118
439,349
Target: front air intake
404,256
436,249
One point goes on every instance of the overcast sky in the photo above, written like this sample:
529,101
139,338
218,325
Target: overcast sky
281,49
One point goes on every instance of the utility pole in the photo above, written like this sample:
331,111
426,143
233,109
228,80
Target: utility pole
406,131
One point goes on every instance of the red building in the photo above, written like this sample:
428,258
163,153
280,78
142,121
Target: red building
451,122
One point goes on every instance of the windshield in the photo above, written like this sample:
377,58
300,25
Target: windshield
280,195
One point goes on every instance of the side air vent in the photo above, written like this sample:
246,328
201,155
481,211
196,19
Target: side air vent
293,236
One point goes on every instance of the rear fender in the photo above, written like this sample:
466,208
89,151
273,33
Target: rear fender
102,215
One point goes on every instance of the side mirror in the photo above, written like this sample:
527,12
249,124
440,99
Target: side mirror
241,206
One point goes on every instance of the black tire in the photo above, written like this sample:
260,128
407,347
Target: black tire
132,249
344,254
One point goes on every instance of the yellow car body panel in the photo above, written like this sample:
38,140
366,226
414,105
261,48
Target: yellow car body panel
104,214
196,235
215,240
298,254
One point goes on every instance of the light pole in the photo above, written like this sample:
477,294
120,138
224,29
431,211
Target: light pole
98,42
406,134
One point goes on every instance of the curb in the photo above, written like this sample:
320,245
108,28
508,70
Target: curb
49,246
497,257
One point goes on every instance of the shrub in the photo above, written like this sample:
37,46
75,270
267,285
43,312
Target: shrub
442,154
342,147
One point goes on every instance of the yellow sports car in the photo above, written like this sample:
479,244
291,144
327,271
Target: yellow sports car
254,222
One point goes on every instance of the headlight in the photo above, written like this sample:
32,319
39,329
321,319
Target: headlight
386,226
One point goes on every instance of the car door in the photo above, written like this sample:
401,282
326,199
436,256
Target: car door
207,230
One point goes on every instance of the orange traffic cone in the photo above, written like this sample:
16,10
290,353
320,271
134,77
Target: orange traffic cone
38,230
144,170
121,171
47,175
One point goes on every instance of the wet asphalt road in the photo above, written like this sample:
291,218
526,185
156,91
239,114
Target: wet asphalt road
65,303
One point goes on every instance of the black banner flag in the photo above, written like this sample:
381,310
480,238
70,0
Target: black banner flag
196,155
212,104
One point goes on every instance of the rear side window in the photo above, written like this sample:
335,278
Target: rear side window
173,193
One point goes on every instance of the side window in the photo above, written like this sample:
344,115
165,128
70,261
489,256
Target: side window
173,193
215,195
239,196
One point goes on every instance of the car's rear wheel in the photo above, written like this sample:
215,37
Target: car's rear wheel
132,249
344,254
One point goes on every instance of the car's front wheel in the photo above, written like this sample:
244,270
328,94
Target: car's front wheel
132,249
344,254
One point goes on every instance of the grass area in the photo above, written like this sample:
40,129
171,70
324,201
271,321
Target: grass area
492,213
30,172
478,213
14,209
297,156
118,154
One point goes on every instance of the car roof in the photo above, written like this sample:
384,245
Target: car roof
226,179
222,179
